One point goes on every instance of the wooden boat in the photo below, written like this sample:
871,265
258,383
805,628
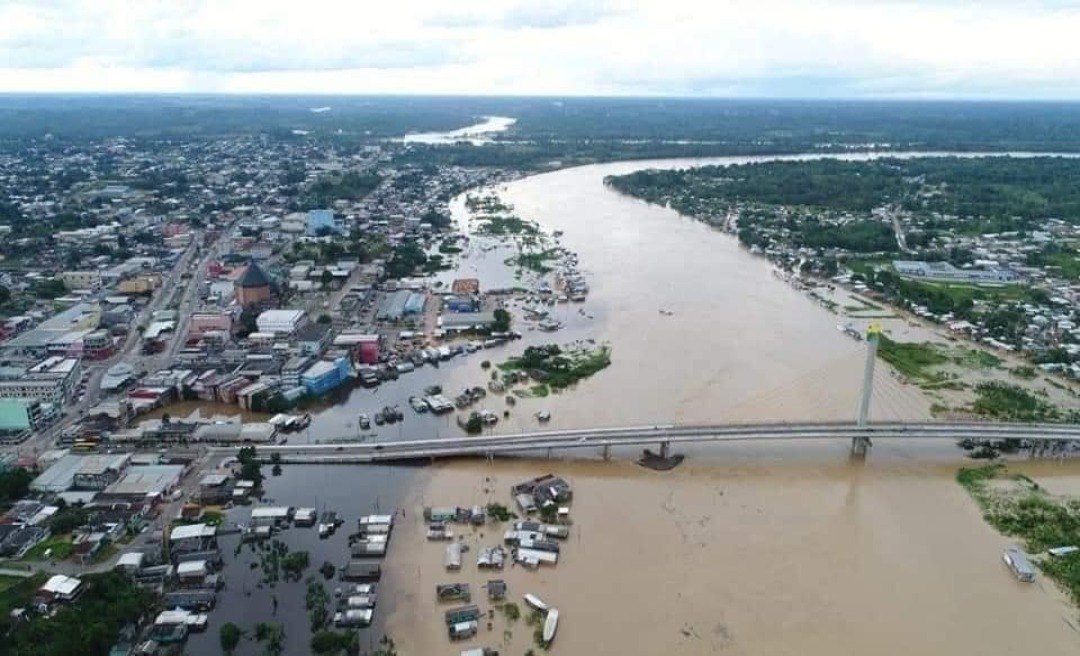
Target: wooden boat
535,602
551,623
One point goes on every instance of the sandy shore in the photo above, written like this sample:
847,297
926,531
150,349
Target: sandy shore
810,558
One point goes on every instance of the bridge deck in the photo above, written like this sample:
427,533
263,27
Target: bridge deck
370,452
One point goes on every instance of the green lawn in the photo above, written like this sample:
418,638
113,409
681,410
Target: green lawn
997,294
8,581
910,359
60,545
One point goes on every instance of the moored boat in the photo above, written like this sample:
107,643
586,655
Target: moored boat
551,624
535,602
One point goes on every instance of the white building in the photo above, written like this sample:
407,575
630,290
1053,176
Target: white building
279,321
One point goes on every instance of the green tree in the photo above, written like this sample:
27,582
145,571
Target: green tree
248,322
51,288
67,520
5,295
90,626
326,278
229,636
14,484
328,642
325,318
474,425
250,469
502,321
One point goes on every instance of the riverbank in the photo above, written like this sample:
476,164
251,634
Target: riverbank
814,557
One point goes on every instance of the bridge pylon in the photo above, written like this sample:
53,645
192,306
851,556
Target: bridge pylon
861,443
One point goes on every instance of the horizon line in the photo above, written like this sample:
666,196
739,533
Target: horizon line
890,98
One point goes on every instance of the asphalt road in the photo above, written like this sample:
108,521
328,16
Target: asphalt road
128,349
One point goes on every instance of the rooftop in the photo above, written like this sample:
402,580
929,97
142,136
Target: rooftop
55,327
253,276
59,584
146,481
192,531
61,474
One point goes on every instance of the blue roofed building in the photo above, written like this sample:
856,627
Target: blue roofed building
318,220
325,375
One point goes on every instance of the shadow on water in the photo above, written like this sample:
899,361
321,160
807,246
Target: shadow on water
246,601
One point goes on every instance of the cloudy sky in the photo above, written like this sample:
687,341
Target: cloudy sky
795,48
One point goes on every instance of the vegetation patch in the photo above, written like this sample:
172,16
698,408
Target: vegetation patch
559,369
1024,371
537,262
88,626
499,512
328,641
502,225
976,359
539,391
59,548
1007,402
911,359
511,611
1025,511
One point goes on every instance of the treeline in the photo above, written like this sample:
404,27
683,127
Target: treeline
348,186
988,194
193,117
90,626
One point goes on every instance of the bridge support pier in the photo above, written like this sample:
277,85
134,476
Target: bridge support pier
860,445
607,452
549,453
665,449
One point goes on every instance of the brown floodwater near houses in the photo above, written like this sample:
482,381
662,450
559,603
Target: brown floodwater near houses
774,548
762,548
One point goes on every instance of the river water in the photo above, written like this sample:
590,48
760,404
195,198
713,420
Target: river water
474,134
756,548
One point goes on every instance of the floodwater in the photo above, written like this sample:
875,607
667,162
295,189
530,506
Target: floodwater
734,342
772,548
247,601
752,548
817,556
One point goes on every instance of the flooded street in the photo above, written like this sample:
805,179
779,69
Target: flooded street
247,600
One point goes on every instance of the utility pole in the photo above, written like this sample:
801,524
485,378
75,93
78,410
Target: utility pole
861,443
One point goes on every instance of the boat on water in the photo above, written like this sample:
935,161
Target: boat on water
328,523
417,404
364,421
1021,568
379,419
551,624
543,415
535,602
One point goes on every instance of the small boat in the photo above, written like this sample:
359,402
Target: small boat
417,404
1019,564
551,623
379,419
543,415
535,602
365,423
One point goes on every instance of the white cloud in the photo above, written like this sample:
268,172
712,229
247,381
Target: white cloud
721,47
